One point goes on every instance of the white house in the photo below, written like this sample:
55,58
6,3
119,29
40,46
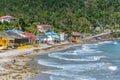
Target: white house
7,18
44,27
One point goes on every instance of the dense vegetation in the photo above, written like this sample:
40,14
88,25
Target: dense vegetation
64,15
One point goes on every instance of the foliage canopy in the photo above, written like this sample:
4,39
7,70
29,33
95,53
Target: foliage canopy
64,15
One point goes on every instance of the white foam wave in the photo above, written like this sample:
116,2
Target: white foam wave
65,53
71,78
91,58
89,48
90,66
74,70
94,45
50,63
105,42
84,50
66,75
98,57
60,73
52,77
75,52
113,68
115,43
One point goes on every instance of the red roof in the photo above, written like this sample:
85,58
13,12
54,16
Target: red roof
27,34
75,33
45,25
10,17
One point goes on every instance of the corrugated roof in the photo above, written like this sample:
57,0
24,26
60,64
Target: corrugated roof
27,34
3,34
15,31
14,35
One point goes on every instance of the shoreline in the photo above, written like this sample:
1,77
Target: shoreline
14,66
13,63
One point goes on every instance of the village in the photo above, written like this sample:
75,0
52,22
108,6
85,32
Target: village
17,39
15,43
18,47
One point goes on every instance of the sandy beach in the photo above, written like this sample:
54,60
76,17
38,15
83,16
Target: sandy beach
13,62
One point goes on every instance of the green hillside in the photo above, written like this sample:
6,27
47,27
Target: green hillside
64,15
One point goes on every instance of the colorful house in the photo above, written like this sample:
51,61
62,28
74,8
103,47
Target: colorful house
7,18
18,40
75,37
52,36
32,37
42,38
44,27
3,41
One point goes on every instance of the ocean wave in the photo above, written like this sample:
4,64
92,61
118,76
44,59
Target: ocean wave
50,63
71,78
66,75
88,58
105,42
89,48
115,43
90,66
87,62
113,68
52,77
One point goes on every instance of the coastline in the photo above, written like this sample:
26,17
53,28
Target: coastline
13,63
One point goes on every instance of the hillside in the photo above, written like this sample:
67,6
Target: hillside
65,15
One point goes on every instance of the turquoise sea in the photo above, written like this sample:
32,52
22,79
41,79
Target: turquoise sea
96,61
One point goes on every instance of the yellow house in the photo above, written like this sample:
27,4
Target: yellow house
3,43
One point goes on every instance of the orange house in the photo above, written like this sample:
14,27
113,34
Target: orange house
75,37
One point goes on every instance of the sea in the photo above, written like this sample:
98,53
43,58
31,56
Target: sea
94,61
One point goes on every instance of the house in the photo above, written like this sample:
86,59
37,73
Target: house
3,41
42,38
18,40
52,36
32,38
7,18
44,27
75,37
62,36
